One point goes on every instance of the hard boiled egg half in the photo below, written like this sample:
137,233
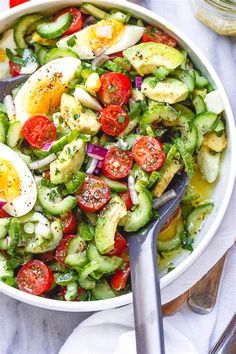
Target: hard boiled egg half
41,93
106,36
17,185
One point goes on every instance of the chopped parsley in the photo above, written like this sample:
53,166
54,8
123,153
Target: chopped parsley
72,41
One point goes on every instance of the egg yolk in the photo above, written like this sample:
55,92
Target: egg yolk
45,96
104,33
10,184
2,55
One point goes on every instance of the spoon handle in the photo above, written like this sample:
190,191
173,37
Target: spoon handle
146,293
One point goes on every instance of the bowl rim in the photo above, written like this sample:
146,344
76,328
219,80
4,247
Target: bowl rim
86,306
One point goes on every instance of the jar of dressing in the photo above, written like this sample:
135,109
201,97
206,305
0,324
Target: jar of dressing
219,15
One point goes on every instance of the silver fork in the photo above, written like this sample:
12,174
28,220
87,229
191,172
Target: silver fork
6,86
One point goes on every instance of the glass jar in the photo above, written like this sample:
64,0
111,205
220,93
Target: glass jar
219,15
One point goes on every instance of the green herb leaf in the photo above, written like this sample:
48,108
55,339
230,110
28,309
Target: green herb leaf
72,41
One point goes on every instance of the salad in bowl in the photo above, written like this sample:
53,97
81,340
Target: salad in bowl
111,110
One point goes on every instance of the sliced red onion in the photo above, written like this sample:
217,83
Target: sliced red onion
35,165
138,82
132,191
98,167
164,198
92,166
96,151
2,203
98,61
47,146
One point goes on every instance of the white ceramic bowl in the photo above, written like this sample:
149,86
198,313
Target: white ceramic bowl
224,186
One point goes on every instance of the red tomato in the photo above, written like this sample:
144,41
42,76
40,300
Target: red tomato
125,196
148,153
93,194
152,34
14,69
4,214
117,163
13,3
115,55
62,248
35,277
119,279
38,131
175,215
79,293
46,257
114,120
77,20
115,89
120,245
69,223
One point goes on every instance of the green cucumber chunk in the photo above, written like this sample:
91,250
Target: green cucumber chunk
41,54
4,225
94,11
22,26
142,213
196,217
107,264
59,208
186,78
205,123
74,183
55,29
85,281
72,291
199,105
14,134
115,186
56,53
3,127
103,291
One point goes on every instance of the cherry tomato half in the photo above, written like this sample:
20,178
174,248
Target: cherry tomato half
13,3
114,120
62,248
93,194
119,279
115,89
47,256
35,277
38,131
148,153
77,20
152,34
79,293
120,245
4,214
117,163
14,69
125,196
69,223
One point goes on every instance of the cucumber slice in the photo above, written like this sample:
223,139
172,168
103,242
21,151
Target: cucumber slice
77,244
186,78
94,11
76,260
21,27
59,53
107,264
103,291
55,29
143,212
196,217
3,127
205,123
41,54
14,134
184,111
115,185
75,182
199,105
188,133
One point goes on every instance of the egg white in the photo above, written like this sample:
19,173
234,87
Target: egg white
65,66
25,202
7,41
130,36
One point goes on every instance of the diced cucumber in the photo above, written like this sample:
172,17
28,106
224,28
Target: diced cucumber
199,105
59,208
142,213
103,291
3,127
184,111
75,182
205,123
59,53
209,163
77,244
186,78
94,11
4,224
84,280
219,128
132,124
14,134
41,54
15,235
188,133
115,186
76,260
107,264
196,217
72,291
55,29
21,27
161,73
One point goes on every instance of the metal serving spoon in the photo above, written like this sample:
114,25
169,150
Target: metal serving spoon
145,277
6,86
